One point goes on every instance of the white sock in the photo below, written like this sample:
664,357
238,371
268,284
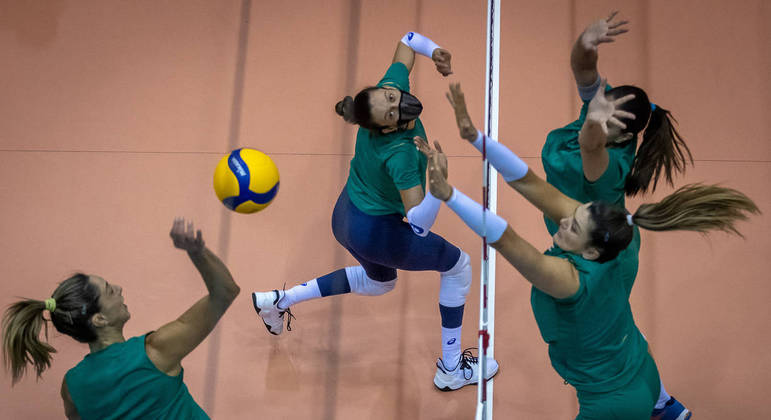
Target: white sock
451,347
300,293
663,398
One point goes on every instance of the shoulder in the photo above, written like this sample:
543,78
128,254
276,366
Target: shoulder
397,76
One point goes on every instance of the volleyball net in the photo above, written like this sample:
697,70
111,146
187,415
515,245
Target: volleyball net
489,202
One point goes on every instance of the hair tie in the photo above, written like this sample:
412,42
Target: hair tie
653,107
607,236
50,304
629,220
83,309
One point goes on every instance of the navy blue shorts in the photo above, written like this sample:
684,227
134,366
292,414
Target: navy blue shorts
383,244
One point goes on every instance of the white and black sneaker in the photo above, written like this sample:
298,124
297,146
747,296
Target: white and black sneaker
466,372
266,305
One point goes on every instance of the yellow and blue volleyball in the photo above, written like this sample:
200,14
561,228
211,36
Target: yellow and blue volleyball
246,180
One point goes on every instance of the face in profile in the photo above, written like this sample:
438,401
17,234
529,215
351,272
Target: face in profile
114,312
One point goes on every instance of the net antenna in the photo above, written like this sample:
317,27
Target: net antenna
489,203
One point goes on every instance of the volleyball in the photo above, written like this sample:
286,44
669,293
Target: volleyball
246,180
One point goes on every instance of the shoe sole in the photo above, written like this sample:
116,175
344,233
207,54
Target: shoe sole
448,388
257,308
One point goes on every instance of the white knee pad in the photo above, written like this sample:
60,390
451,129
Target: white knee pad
361,284
454,283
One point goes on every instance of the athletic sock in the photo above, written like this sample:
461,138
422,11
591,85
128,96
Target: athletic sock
451,347
452,323
300,293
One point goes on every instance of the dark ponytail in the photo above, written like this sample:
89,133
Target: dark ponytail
662,150
76,301
357,111
694,207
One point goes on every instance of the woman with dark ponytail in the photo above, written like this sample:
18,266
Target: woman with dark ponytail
138,378
386,184
581,286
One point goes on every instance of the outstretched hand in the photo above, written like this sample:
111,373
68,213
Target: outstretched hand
462,118
605,112
602,31
441,58
187,239
437,168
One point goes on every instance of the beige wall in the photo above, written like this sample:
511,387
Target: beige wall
114,113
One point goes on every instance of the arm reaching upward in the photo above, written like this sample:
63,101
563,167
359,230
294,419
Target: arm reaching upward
583,57
414,42
167,346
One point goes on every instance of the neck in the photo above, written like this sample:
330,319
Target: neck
105,339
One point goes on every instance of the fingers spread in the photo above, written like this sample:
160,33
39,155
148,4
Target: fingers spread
616,122
623,99
624,114
617,24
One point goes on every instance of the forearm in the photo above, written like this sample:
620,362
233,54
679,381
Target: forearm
549,200
517,174
507,163
422,216
583,62
215,275
551,275
420,44
594,155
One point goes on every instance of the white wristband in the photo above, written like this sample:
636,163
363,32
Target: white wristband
471,213
419,43
510,166
422,216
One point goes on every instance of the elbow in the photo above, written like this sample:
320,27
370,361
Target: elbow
233,292
229,292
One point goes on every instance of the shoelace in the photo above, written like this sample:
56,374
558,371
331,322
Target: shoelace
466,359
289,319
287,311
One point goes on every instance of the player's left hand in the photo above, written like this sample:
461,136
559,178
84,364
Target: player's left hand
441,58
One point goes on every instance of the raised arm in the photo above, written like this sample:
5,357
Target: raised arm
412,43
514,170
554,276
167,346
583,57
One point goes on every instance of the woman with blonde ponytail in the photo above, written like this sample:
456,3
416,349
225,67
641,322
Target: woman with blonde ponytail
147,380
581,286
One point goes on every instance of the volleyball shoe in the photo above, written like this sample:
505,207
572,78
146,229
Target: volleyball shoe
466,372
266,305
673,410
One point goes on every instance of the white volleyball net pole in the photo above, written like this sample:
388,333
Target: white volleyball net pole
489,202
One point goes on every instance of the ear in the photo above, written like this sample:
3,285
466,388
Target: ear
624,137
98,320
591,253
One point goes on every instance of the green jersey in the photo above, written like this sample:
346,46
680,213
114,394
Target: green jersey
121,382
593,341
561,158
383,164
